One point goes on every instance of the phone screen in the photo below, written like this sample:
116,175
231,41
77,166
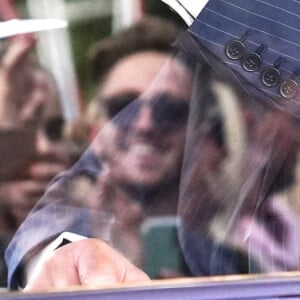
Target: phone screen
162,251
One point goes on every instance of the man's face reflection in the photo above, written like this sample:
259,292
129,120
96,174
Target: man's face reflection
146,98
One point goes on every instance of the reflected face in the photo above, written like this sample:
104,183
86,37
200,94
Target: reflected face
144,141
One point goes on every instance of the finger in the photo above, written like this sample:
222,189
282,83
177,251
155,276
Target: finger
31,112
17,53
107,267
133,274
44,170
58,272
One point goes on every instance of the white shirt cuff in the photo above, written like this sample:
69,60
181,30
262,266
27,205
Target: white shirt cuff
187,10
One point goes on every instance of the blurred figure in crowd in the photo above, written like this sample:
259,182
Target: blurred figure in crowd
267,228
142,139
259,232
30,101
143,125
138,109
143,97
30,112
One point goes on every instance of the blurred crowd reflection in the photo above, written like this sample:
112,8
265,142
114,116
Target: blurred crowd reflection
186,173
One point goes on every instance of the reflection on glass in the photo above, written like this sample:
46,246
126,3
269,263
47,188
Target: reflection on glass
188,172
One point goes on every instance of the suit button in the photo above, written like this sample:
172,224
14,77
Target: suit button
288,89
235,49
271,77
251,61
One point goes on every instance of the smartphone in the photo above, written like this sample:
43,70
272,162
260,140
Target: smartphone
162,251
17,147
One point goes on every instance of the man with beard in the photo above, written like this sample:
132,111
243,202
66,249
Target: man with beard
137,109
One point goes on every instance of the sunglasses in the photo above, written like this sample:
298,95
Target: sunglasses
167,111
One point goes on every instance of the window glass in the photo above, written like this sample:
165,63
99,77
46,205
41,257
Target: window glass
178,147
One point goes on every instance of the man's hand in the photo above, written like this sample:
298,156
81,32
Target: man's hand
88,263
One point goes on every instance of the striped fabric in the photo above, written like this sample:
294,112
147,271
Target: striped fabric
275,24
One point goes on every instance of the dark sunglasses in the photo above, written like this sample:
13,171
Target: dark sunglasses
167,111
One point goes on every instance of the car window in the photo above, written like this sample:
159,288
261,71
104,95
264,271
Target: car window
159,139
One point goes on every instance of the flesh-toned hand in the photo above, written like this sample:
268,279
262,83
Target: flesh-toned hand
88,263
